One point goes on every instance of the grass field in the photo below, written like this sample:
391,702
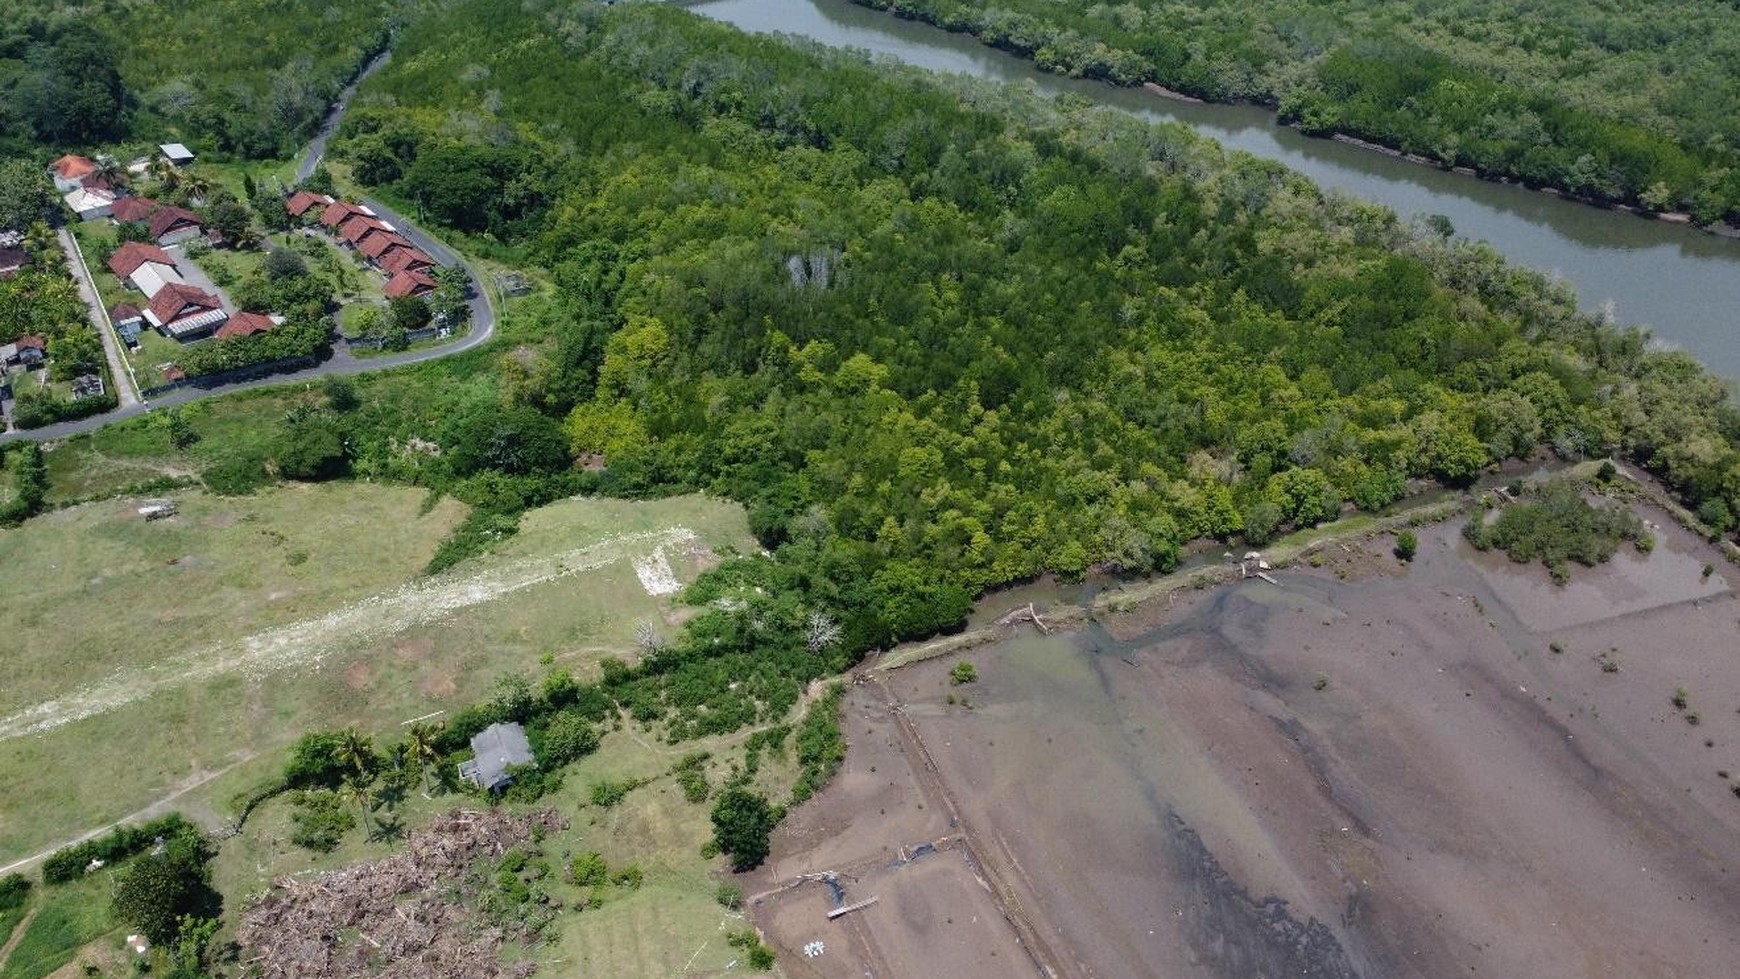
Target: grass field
182,655
67,918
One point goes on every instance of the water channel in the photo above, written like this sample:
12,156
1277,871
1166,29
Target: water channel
1681,283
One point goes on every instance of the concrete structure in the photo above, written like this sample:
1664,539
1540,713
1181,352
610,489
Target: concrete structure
176,153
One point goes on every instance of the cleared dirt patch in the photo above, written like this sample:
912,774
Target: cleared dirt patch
1366,770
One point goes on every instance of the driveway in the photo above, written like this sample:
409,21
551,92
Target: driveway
122,374
197,276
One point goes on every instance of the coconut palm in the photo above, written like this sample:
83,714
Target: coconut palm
356,750
167,175
356,789
195,186
425,749
110,171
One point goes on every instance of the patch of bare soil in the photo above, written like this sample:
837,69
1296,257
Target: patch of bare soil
1368,770
403,917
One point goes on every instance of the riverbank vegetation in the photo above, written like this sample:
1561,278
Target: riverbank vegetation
1556,525
1617,104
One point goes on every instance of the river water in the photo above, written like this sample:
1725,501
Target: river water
1681,283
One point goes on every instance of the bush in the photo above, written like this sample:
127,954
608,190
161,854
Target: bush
1407,545
820,746
69,863
236,476
729,896
1557,526
14,890
567,736
743,825
963,672
321,818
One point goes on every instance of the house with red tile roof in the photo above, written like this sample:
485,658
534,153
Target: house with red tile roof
408,283
182,311
70,170
245,325
405,260
304,201
359,226
133,254
172,225
131,210
338,212
376,246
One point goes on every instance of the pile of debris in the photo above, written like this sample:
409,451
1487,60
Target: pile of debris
407,916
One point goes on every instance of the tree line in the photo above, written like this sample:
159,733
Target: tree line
1618,104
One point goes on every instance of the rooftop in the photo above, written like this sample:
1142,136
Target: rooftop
496,747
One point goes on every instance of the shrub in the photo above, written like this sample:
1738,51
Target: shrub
743,825
589,870
963,672
69,863
728,896
14,889
1407,545
321,818
1557,526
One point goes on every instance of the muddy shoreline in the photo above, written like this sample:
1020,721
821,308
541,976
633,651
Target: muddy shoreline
1363,769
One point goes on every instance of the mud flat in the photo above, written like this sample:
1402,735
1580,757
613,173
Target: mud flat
1365,770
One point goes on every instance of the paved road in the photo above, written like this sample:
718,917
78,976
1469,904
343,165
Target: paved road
316,150
122,377
342,361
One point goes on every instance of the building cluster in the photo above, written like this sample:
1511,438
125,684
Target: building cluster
409,270
90,192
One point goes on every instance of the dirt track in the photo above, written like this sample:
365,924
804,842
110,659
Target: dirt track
1179,797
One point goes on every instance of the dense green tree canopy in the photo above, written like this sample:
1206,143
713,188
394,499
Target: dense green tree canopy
1634,103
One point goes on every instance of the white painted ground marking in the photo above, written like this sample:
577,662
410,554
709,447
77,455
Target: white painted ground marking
308,643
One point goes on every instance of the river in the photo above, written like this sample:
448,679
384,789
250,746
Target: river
1682,284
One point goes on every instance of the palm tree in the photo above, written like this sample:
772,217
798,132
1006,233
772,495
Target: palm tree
357,790
167,175
196,186
425,749
110,171
356,750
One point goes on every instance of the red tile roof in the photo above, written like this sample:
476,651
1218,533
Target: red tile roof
338,212
130,209
133,254
245,325
72,166
408,283
122,312
406,259
170,219
178,299
173,372
381,242
30,340
357,227
303,200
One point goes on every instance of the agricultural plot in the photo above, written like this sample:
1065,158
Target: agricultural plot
177,657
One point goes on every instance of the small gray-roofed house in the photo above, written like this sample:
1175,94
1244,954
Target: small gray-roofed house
496,747
176,153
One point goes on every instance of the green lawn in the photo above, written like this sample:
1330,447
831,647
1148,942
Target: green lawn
70,916
203,645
